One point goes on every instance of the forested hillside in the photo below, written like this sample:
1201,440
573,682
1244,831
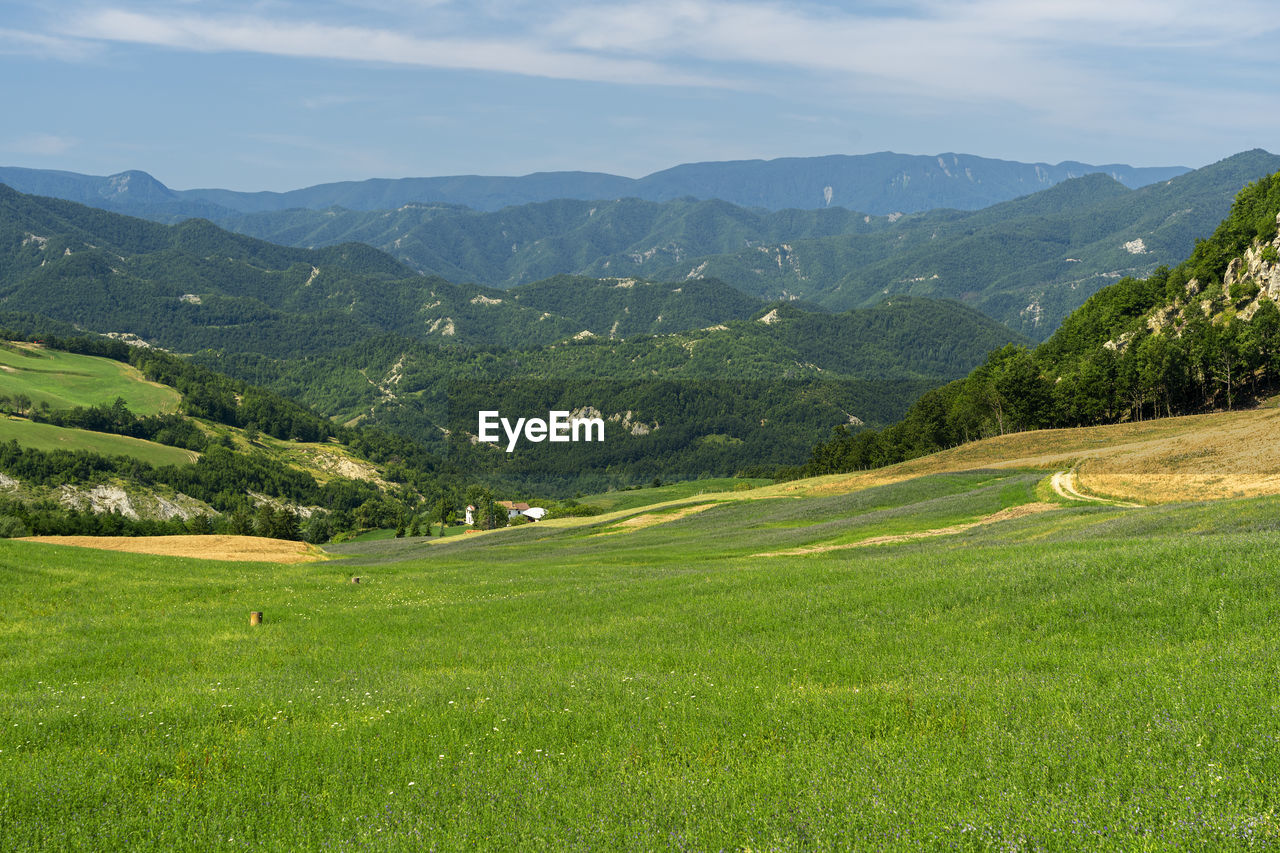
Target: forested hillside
260,464
194,286
1027,262
710,401
516,245
1204,335
362,339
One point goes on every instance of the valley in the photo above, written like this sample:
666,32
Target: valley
620,426
800,660
890,575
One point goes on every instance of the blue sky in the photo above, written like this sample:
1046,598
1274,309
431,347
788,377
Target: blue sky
281,94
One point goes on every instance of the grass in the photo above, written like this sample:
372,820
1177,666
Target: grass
633,498
1197,457
1086,678
384,533
64,379
49,437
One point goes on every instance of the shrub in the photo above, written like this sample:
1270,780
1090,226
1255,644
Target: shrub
12,528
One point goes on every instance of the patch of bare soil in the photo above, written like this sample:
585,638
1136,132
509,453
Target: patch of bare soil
234,548
1003,515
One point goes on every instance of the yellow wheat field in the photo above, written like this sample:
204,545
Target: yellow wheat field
235,548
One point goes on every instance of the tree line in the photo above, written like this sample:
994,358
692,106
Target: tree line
1174,343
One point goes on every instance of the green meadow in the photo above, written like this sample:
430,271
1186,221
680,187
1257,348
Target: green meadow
64,380
1090,677
49,437
632,498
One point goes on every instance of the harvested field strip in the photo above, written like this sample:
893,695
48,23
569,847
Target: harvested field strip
232,548
1003,515
649,519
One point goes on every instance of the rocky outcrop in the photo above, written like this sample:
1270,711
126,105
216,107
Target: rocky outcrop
133,503
1261,266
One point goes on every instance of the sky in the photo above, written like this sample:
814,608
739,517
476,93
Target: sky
280,94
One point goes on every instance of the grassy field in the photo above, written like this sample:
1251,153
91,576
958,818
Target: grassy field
1198,457
1088,677
49,437
632,498
64,379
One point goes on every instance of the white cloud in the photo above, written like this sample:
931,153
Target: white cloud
1099,64
22,43
327,41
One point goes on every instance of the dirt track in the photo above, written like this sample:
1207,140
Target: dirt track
1064,483
235,548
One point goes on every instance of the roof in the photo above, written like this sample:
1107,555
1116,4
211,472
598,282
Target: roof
518,507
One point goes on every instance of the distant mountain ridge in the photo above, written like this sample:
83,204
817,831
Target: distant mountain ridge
1027,262
879,184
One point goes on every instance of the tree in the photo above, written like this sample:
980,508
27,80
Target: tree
318,528
1023,391
199,525
445,512
240,523
1226,363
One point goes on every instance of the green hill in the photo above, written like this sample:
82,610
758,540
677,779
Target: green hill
212,454
711,402
1027,262
194,286
1200,337
350,333
46,437
518,245
62,379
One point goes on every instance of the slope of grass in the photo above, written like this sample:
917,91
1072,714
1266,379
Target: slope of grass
1059,684
1196,457
64,379
632,498
49,437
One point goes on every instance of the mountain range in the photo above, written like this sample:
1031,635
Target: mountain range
715,336
878,184
354,333
1026,262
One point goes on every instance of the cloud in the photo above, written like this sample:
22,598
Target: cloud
351,43
42,144
22,43
1098,63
